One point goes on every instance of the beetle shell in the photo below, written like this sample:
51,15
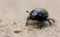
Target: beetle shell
38,17
39,11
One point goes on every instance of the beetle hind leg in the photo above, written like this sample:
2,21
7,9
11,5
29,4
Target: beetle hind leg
49,20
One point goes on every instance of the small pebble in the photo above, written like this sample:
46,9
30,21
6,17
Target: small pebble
17,31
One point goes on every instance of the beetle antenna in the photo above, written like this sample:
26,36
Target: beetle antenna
27,11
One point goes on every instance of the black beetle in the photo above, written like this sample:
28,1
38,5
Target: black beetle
40,15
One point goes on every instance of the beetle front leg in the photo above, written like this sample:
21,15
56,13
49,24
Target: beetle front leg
27,22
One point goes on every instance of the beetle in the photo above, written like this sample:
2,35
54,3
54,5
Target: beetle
39,15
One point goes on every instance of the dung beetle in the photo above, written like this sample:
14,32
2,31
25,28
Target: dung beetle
40,15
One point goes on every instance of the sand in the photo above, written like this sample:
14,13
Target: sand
13,18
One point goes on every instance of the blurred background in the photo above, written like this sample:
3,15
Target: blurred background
14,9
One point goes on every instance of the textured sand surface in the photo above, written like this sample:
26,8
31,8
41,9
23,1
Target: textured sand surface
13,18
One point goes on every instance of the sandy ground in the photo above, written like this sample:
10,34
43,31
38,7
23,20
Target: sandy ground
13,18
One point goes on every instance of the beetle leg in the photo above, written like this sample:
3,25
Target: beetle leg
50,21
27,22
